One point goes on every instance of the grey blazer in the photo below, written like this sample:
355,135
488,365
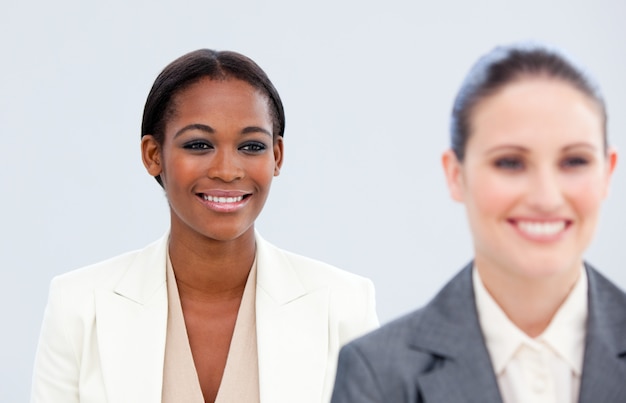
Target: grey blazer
438,354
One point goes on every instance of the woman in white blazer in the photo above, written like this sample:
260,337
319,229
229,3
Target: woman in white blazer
211,311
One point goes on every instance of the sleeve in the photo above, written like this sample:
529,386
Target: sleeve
355,381
371,317
358,315
56,371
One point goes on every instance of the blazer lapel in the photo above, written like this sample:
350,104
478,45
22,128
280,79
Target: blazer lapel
604,365
131,327
292,333
450,332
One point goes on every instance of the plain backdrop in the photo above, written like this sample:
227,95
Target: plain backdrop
367,88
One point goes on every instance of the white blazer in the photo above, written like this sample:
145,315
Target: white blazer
103,333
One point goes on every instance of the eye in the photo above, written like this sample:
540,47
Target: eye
254,147
197,145
573,162
509,163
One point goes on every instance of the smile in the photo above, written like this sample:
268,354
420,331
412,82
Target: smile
541,228
216,199
223,202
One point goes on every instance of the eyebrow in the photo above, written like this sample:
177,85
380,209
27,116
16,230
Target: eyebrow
255,129
209,130
521,149
580,145
509,147
195,126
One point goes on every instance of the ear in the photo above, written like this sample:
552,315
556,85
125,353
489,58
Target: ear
611,163
151,155
453,170
278,155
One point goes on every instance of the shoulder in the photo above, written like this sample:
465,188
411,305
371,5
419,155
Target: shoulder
102,274
350,298
72,300
606,300
415,339
74,291
96,274
385,363
599,283
391,342
313,272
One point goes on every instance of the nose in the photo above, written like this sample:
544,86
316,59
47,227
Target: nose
225,166
545,190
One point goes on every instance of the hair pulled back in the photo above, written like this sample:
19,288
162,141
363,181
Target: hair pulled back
507,64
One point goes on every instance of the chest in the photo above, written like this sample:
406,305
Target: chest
210,328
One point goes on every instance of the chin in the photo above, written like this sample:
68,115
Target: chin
227,234
547,268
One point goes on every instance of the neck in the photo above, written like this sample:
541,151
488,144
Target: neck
211,269
530,303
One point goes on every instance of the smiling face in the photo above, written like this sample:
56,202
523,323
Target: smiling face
534,176
217,160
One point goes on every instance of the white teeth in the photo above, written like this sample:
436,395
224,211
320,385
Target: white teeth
216,199
545,229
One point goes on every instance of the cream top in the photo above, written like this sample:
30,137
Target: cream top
240,381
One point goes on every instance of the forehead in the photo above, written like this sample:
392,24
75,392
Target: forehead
228,97
536,110
225,89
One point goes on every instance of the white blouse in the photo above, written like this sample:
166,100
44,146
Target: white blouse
544,369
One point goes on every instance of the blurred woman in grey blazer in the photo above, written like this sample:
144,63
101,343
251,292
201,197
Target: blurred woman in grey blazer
527,320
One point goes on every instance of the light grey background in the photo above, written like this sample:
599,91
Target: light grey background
367,88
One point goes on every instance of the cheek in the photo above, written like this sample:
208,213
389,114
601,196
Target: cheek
586,194
262,171
491,195
178,171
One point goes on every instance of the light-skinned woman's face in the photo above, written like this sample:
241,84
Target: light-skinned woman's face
218,158
534,176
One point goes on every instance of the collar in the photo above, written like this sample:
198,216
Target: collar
564,335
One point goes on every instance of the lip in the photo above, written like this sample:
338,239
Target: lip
541,230
224,201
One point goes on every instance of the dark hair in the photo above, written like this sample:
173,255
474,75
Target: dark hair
191,68
506,64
